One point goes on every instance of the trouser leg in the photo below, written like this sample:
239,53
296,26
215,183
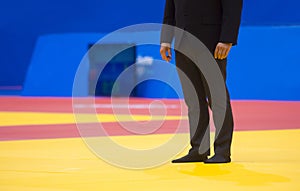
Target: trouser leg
223,135
198,109
196,101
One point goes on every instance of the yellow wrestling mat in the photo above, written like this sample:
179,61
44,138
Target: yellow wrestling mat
37,118
262,161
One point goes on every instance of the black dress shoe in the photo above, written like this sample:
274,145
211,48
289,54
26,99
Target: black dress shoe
217,159
190,158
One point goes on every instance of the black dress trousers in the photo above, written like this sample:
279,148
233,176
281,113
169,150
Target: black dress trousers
210,21
198,109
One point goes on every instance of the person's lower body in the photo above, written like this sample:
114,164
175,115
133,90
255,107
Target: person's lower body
198,101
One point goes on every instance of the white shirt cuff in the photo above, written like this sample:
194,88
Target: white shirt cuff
166,44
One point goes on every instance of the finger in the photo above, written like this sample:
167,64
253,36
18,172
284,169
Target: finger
216,52
227,52
223,53
220,52
163,53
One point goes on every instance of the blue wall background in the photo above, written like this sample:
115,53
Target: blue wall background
23,22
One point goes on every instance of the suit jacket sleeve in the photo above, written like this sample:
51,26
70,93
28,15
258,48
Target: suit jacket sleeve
167,31
231,19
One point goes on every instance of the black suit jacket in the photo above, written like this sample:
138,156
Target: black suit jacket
211,21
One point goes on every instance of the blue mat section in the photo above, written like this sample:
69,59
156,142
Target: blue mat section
262,66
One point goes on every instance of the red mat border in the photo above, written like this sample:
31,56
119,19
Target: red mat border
248,116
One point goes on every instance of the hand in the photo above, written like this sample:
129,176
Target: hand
222,50
165,52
